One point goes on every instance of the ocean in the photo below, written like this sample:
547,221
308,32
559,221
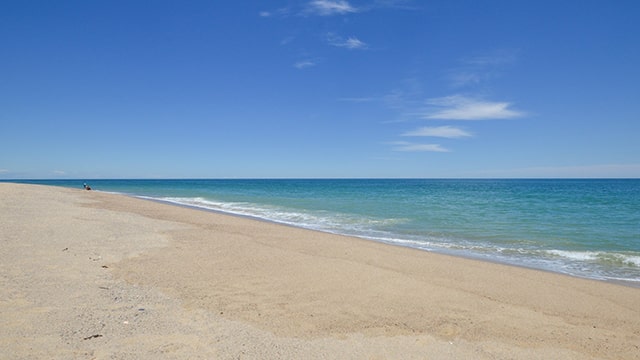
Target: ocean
585,228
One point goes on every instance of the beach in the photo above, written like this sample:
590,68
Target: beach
92,275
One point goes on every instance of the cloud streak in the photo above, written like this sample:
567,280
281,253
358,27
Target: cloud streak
458,107
351,43
330,7
405,146
281,12
335,7
449,132
304,64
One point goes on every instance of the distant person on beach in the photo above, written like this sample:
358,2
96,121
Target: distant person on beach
87,187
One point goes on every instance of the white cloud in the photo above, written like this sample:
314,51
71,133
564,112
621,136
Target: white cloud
348,43
59,172
458,107
450,132
330,7
412,147
281,12
316,8
354,43
4,171
304,64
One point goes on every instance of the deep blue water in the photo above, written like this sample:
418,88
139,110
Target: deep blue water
587,228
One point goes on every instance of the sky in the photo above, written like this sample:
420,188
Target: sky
319,89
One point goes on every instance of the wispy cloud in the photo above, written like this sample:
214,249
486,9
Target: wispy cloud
336,7
413,147
351,42
407,98
410,103
478,69
458,107
449,132
330,7
288,40
304,64
394,4
281,12
461,78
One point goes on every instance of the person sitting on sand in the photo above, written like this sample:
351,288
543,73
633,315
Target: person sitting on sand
87,187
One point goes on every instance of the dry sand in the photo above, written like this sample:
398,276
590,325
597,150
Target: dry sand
89,275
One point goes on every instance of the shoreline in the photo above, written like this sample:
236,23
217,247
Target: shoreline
622,282
115,276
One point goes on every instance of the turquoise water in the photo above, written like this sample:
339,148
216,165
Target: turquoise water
586,228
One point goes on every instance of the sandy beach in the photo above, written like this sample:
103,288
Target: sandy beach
90,275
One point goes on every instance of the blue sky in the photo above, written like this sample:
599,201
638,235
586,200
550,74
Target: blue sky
319,88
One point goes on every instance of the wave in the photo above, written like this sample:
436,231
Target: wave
602,265
631,260
347,224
